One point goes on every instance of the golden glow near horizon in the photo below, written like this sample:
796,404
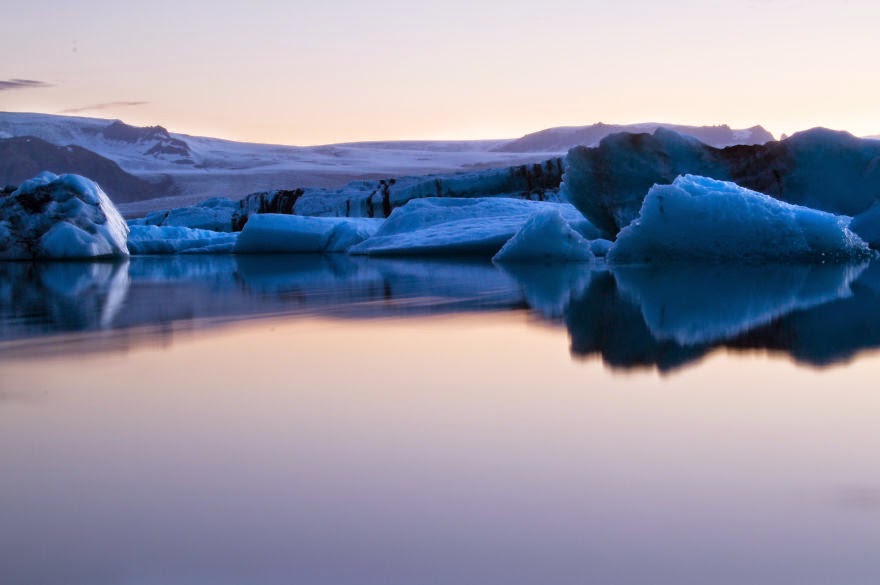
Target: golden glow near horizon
301,73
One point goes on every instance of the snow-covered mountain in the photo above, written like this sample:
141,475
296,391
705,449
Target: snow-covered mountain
183,169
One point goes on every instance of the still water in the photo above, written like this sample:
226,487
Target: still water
332,420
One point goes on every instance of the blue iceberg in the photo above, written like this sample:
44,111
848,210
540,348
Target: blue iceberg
702,219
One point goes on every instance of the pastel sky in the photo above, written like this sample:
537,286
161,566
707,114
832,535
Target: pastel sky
340,70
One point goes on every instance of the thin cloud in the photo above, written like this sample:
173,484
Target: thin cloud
9,84
104,106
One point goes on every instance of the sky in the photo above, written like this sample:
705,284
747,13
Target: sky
344,70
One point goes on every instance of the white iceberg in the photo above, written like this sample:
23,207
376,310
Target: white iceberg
277,233
151,239
697,218
546,237
467,226
65,216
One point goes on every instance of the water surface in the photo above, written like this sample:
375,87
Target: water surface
334,420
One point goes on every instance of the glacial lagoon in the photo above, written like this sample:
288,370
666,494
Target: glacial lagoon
346,420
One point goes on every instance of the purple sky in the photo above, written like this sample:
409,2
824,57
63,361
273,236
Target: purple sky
309,72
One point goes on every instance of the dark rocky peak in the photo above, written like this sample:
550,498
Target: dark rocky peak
160,143
122,132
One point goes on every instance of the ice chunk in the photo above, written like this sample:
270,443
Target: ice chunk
599,247
867,225
473,226
151,239
697,218
546,236
65,216
276,233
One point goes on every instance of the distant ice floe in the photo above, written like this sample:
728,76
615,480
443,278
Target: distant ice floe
65,216
697,218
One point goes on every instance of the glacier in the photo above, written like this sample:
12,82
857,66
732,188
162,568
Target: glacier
156,167
697,218
65,216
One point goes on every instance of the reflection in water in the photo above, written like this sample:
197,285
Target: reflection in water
691,305
60,296
631,316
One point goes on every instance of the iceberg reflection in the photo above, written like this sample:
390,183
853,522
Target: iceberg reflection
694,304
47,297
630,316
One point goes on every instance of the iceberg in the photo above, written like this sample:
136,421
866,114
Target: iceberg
151,239
547,237
276,233
819,168
697,218
65,216
473,226
213,214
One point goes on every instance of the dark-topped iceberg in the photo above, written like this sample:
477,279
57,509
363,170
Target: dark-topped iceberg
65,216
822,169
